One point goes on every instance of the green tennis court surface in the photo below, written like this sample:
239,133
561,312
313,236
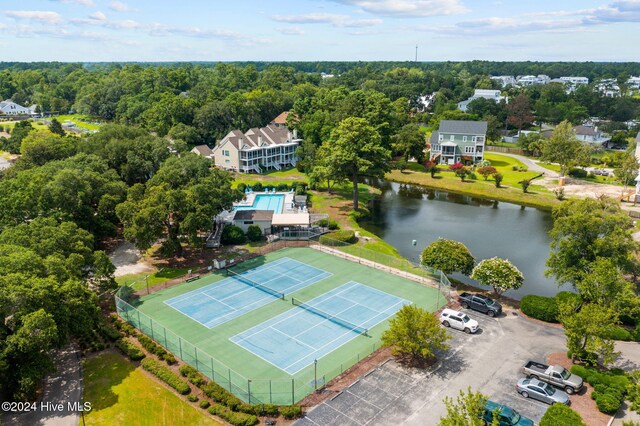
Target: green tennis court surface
245,372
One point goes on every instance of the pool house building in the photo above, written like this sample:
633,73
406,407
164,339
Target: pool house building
257,150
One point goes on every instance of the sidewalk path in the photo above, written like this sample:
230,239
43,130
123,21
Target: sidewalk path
62,387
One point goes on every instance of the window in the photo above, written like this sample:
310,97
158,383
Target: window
440,138
435,147
248,222
452,138
225,152
464,139
468,150
227,161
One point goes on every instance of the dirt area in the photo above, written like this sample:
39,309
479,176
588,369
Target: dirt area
344,380
582,402
128,260
583,189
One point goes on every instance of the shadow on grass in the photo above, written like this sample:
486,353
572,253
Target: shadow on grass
101,373
499,163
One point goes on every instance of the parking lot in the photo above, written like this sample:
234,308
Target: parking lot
489,361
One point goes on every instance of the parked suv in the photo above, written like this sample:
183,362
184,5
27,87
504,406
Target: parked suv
458,320
507,416
479,302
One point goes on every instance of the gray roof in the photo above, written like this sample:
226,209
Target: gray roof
463,127
584,130
203,150
253,215
434,137
269,135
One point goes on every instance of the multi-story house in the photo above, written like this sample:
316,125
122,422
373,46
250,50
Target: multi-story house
257,150
530,80
493,95
9,107
459,141
504,80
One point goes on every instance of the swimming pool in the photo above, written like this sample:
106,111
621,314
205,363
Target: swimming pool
265,202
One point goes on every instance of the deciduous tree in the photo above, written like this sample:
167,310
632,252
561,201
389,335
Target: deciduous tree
498,273
565,149
448,256
409,142
466,410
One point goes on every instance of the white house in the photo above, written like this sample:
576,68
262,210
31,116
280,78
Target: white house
591,135
246,218
576,81
608,87
504,80
9,107
633,83
530,80
493,95
258,149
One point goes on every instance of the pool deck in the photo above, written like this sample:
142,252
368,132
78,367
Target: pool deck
288,205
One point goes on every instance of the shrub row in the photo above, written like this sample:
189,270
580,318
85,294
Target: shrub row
124,327
236,419
157,350
109,331
258,186
610,388
336,238
221,396
166,375
545,308
328,223
193,375
130,350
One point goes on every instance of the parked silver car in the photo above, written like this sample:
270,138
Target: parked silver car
536,389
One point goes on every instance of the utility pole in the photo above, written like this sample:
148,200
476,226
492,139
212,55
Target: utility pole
416,53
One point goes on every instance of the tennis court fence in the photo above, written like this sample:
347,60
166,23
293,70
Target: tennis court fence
278,391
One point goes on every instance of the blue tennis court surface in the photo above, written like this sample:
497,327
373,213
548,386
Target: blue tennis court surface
293,340
225,300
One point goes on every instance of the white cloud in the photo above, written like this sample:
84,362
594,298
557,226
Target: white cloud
290,30
46,17
98,16
408,8
118,6
327,18
81,2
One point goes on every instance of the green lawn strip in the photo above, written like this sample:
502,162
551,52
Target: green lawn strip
275,177
154,278
9,125
122,394
263,375
82,121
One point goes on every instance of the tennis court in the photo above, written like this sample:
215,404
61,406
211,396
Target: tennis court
236,295
293,340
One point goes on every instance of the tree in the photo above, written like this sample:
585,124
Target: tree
431,167
178,202
497,178
519,112
40,147
409,142
585,230
561,415
587,328
628,170
254,233
487,171
416,334
355,150
466,410
532,143
19,132
565,149
56,128
498,273
459,170
448,256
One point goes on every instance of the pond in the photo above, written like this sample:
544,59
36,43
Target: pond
488,228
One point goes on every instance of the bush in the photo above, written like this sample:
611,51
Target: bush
155,349
257,187
232,235
328,223
236,419
607,403
133,352
514,168
619,333
291,411
193,375
561,415
540,307
220,395
242,186
166,375
497,178
282,187
192,398
359,215
567,296
187,370
110,332
578,173
204,404
254,233
335,238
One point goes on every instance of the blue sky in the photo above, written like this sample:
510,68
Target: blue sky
313,30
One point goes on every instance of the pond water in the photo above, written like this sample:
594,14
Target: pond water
488,228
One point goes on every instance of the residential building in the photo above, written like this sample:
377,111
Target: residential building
459,141
280,120
265,148
203,150
9,107
591,135
608,87
530,80
504,80
493,95
576,81
637,197
246,218
633,83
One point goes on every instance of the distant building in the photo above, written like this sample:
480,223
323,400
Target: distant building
530,80
203,150
9,107
633,83
459,141
493,95
608,87
591,135
504,80
265,148
280,120
576,81
637,197
425,101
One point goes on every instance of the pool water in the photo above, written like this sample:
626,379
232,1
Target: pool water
265,202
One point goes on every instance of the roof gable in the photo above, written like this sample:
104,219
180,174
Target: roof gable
463,127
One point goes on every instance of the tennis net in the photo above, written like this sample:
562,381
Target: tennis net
328,316
241,278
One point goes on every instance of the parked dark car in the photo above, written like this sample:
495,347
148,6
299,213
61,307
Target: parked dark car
481,303
508,416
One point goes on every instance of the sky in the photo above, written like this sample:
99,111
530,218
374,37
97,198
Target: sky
319,30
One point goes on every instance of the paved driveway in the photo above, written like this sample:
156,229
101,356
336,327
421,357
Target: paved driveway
488,361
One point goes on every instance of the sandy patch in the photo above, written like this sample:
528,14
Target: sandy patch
128,260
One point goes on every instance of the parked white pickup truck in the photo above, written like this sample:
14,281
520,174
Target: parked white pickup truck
555,375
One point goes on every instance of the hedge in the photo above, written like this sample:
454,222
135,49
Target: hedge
220,395
232,234
204,404
166,375
336,238
540,307
610,388
619,333
130,350
236,419
578,173
328,223
291,411
156,349
561,415
193,375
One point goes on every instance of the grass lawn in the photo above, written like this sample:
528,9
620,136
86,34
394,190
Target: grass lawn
272,178
122,394
9,125
82,121
505,144
155,278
